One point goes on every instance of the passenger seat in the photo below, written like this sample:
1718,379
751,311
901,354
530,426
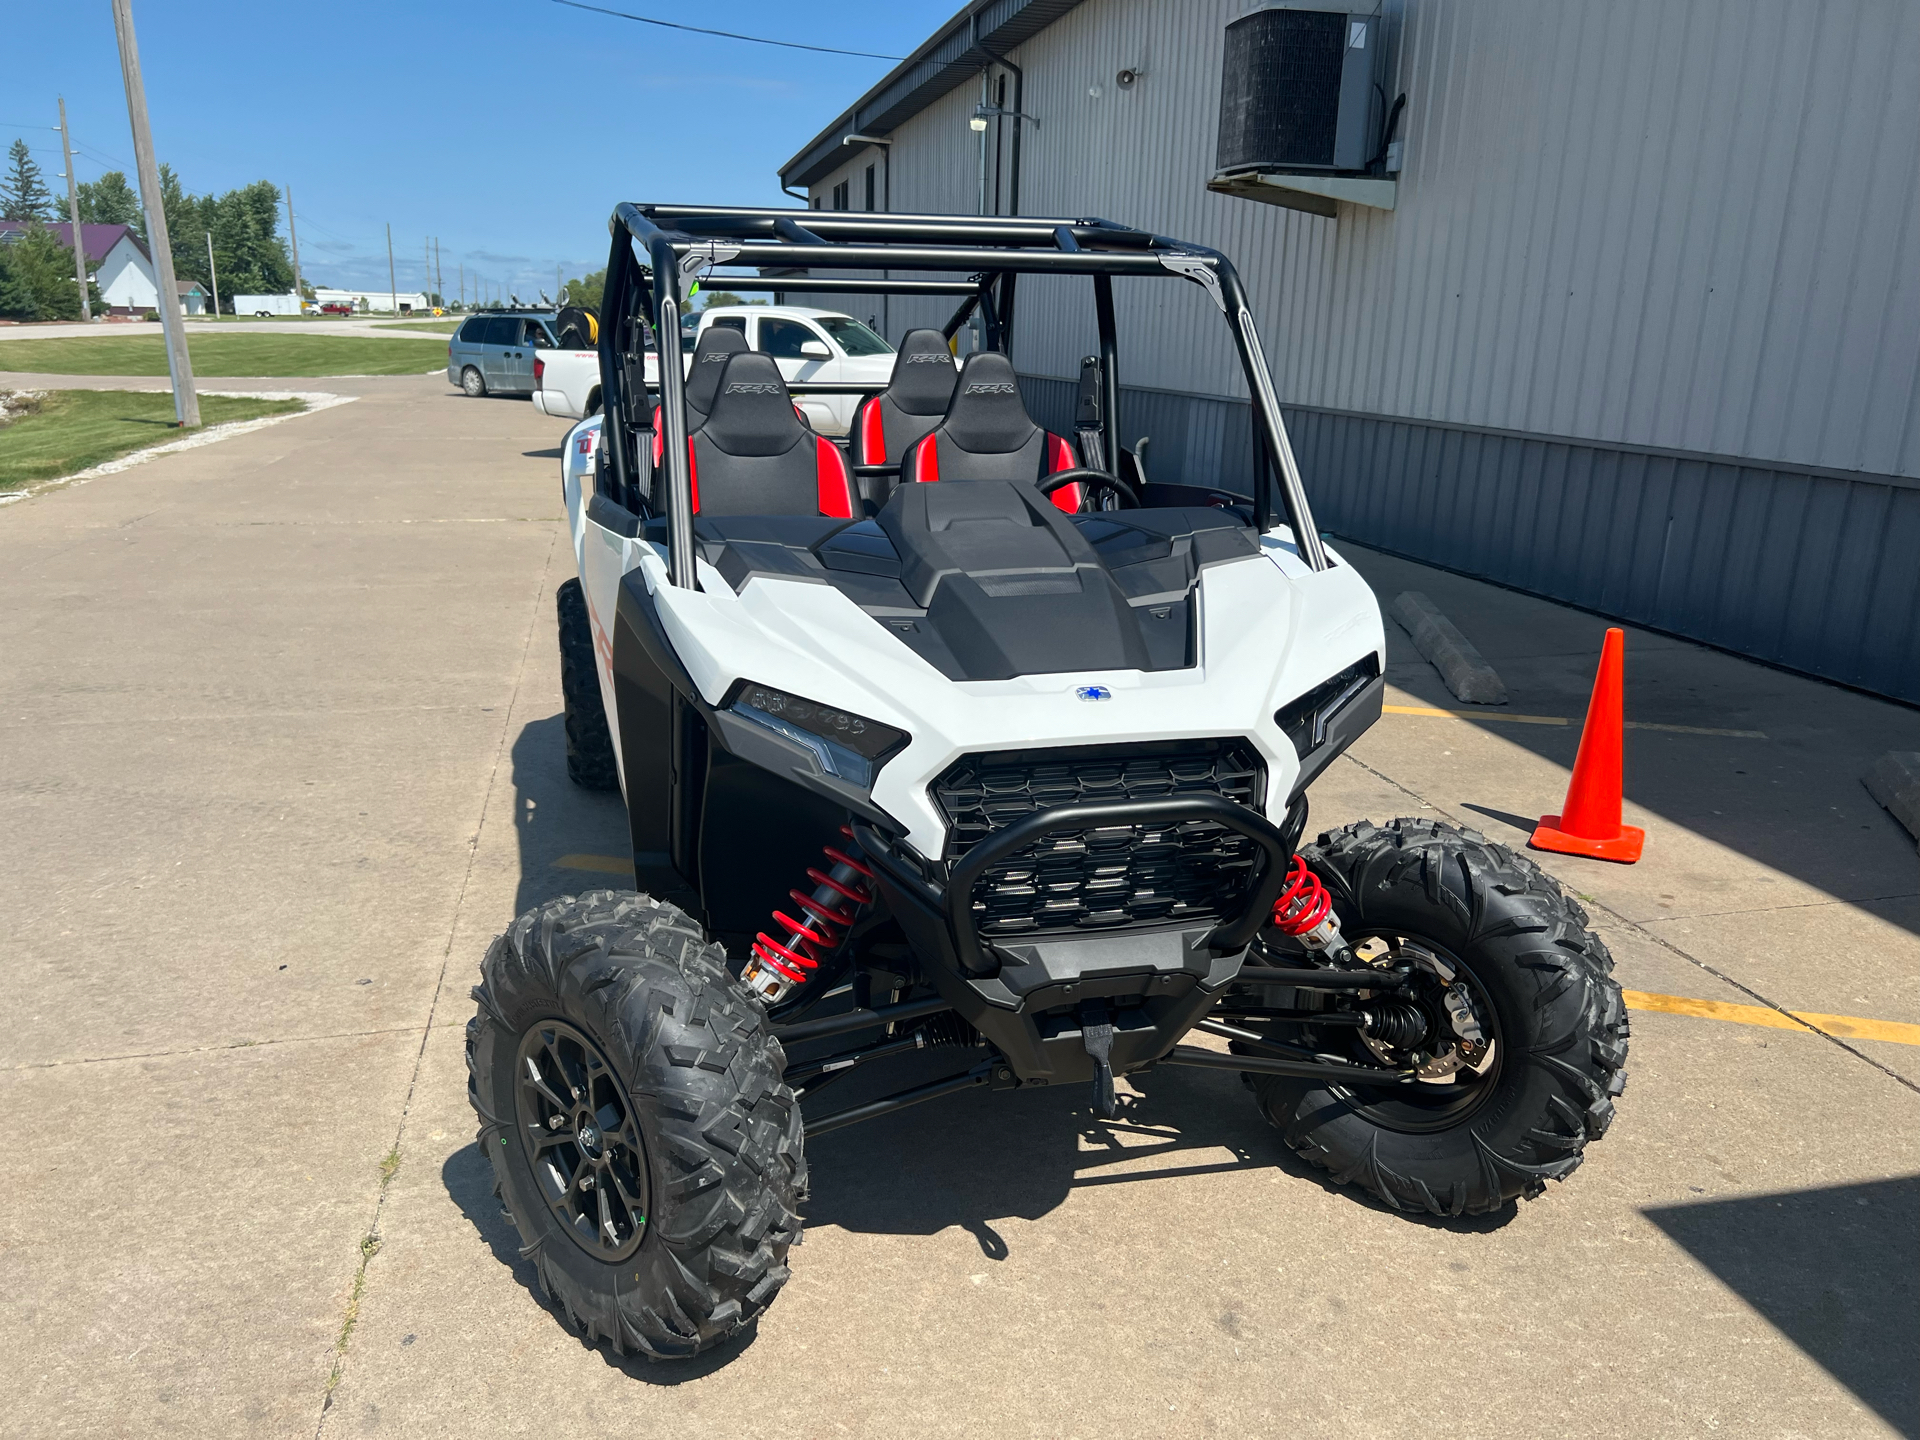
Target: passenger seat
987,434
754,456
889,424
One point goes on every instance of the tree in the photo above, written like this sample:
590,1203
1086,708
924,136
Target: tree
110,201
244,224
587,291
37,283
23,194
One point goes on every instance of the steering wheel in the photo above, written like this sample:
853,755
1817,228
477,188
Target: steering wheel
1128,497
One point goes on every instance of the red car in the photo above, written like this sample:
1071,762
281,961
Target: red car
336,308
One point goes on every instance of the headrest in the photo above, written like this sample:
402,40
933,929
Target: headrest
717,345
986,414
923,374
752,413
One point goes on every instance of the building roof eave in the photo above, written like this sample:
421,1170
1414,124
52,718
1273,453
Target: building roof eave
961,48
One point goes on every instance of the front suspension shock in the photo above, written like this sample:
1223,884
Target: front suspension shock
776,967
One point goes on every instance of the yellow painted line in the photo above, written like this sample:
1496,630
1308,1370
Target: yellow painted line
1475,715
1697,730
1503,717
598,864
1850,1027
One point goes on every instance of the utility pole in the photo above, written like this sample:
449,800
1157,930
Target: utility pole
299,295
393,285
186,403
463,284
426,262
73,215
215,274
438,284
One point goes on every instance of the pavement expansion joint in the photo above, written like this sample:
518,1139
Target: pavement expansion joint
1792,1020
390,1165
211,1049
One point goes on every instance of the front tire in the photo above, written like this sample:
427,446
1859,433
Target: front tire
473,383
1543,982
590,761
611,1042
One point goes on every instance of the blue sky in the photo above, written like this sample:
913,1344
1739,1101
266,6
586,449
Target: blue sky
508,128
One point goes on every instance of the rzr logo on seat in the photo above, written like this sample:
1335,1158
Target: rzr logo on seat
993,387
718,357
929,359
755,387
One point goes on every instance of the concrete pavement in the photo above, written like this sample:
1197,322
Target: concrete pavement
279,754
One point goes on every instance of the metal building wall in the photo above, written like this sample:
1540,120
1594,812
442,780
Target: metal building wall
1642,334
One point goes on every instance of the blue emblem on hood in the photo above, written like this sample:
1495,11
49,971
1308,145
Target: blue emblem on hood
1094,692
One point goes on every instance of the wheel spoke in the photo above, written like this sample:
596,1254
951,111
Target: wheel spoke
606,1213
535,1079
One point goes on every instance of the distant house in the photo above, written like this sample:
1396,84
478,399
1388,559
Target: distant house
193,299
118,261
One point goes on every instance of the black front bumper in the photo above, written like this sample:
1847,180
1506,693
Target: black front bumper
1025,994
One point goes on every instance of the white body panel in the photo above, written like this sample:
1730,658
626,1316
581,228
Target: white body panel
1269,629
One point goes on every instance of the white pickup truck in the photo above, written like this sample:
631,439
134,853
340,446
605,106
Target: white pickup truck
821,345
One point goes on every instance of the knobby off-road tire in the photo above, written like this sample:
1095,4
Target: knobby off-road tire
473,383
1560,1021
590,761
699,1077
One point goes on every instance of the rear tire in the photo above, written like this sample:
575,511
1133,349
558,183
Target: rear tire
1558,1016
473,383
590,761
685,1092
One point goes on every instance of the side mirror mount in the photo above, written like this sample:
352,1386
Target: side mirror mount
815,350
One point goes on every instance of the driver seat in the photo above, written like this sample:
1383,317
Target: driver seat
754,456
987,434
717,345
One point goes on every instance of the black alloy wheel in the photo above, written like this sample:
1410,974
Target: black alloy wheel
581,1140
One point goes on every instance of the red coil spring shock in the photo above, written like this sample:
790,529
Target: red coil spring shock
777,966
1305,910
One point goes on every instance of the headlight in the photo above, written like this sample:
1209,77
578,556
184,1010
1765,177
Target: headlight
1305,720
848,746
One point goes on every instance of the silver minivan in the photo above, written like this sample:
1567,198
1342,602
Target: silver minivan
493,354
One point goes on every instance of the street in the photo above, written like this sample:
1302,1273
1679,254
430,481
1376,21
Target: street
283,752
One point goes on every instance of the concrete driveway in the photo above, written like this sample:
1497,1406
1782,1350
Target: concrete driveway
280,753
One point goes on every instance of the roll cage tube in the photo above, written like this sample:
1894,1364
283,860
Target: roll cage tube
984,248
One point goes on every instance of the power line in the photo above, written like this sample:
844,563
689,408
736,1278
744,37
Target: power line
726,34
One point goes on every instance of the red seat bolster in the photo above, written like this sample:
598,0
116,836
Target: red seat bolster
922,462
870,433
1060,457
693,475
834,482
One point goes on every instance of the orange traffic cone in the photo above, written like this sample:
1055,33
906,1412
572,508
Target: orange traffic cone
1589,821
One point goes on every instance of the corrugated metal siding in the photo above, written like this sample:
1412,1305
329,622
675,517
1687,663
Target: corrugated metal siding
1679,223
1667,225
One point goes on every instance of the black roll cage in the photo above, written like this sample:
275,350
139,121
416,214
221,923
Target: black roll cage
685,242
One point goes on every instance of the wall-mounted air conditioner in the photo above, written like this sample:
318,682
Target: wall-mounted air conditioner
1300,108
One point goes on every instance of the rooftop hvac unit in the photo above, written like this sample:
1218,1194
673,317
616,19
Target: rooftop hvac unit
1298,91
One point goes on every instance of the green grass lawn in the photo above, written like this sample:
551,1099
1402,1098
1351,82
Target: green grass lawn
238,354
437,327
73,429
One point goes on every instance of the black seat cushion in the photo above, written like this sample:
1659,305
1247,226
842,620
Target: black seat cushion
915,400
987,434
754,456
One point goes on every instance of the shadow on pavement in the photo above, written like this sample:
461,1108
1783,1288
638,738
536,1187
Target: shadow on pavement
1792,801
1836,1271
553,818
972,1159
554,454
468,1177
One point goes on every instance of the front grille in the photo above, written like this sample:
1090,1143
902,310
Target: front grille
1115,875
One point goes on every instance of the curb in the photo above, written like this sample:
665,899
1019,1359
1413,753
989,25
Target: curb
1894,781
1464,669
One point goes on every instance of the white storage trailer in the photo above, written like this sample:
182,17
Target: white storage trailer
266,304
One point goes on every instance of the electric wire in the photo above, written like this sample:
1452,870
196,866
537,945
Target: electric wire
725,34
